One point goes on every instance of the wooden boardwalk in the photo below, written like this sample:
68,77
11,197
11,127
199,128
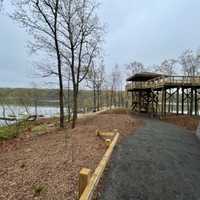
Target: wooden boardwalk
166,81
160,94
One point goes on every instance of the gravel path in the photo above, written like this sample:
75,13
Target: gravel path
160,162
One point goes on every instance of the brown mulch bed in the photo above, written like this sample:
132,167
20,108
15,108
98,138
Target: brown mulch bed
46,166
188,122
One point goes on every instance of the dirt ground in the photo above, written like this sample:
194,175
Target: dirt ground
46,166
185,121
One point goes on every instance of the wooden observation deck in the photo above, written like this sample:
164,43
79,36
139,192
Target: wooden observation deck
161,94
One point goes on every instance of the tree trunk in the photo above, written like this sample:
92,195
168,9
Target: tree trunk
68,101
62,117
75,106
98,99
61,93
36,110
94,99
111,101
59,64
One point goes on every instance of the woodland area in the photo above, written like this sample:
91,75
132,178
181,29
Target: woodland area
70,35
41,155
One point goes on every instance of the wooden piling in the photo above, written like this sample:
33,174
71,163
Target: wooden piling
191,101
84,178
162,103
140,101
177,101
108,141
165,101
169,101
182,110
196,102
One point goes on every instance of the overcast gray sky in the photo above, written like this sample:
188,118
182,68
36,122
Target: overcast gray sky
142,30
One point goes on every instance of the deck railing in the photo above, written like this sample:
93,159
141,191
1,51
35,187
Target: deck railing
164,81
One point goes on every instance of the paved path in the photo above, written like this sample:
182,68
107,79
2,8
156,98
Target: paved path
159,162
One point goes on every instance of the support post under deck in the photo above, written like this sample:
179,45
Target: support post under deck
177,101
165,101
196,102
191,101
163,106
140,101
182,101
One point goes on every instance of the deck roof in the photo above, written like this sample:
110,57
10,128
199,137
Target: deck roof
144,76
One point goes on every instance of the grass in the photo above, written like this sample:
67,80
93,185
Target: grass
40,129
8,132
13,130
38,189
36,127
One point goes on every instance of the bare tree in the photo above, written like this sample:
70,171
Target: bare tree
115,85
35,97
134,67
92,84
68,30
190,62
41,19
107,90
82,32
100,82
167,67
95,80
120,88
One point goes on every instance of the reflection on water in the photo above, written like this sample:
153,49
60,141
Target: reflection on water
13,110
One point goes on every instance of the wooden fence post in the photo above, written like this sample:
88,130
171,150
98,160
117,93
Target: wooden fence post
84,178
108,141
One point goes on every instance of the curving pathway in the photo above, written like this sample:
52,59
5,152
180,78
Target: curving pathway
160,162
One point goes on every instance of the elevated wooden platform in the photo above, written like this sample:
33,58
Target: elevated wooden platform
165,81
161,94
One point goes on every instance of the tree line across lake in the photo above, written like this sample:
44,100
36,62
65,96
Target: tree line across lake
87,101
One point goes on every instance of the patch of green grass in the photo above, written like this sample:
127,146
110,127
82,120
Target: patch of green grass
8,132
40,128
38,189
36,127
13,130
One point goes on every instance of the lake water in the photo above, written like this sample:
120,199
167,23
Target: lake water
46,111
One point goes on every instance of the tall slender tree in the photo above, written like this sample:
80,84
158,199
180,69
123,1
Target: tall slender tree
68,30
95,80
82,32
41,19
